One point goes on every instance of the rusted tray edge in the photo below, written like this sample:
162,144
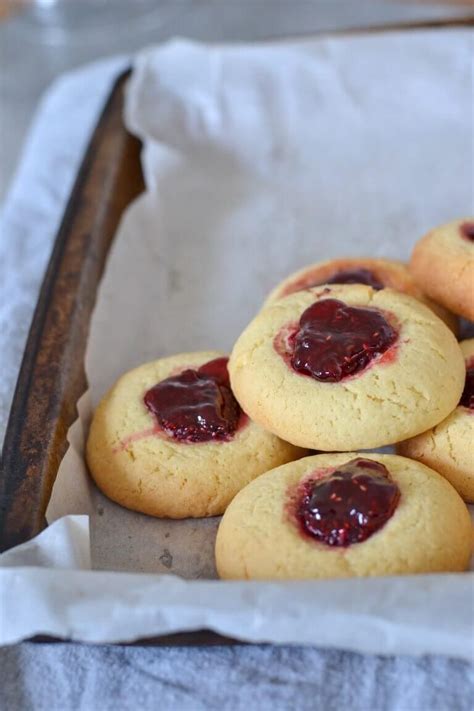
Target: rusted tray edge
52,377
435,23
200,638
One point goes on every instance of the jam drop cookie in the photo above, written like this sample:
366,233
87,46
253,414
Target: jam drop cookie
344,515
448,447
345,367
442,264
377,273
170,439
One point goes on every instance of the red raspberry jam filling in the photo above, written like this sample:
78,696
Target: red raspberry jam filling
349,505
467,231
335,340
467,397
197,405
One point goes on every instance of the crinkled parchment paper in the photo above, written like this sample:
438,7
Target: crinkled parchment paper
258,159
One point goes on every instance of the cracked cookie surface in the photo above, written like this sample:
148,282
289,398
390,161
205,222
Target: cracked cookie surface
411,387
141,466
429,530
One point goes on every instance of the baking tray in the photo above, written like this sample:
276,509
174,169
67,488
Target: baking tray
52,376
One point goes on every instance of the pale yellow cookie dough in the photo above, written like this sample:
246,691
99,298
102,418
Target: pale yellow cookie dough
442,264
393,274
160,476
392,399
429,532
449,447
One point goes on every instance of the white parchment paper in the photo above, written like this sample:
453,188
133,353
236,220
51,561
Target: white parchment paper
257,160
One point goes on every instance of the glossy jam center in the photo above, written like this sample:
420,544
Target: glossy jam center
348,506
467,397
467,231
197,405
335,340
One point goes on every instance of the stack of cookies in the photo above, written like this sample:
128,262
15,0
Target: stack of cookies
346,355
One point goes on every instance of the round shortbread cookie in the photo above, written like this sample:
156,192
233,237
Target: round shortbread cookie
269,530
138,462
378,273
412,386
442,264
449,447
